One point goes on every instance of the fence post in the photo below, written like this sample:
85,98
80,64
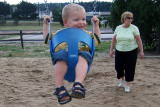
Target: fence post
21,36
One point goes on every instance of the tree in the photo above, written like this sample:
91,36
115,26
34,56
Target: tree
157,26
26,10
4,9
117,8
145,17
100,6
57,16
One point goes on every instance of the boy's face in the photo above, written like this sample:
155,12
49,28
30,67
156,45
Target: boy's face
76,19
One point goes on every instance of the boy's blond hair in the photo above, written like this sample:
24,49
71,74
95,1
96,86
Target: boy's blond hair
69,8
125,15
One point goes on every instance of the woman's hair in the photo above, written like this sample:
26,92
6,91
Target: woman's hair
125,15
69,8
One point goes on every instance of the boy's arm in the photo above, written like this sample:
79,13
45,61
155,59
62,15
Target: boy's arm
45,27
96,27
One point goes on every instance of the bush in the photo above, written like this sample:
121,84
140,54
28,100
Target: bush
89,22
16,22
2,21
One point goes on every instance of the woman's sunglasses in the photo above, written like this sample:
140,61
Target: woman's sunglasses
129,18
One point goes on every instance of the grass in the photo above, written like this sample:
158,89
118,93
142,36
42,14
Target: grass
37,50
28,27
103,47
30,50
21,28
7,36
32,26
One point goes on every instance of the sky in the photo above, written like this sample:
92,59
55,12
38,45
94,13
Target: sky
49,1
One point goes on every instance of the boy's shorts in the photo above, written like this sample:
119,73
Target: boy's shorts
62,55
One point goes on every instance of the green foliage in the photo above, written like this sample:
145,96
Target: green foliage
4,9
150,47
103,47
15,14
100,6
9,55
2,21
146,17
117,8
26,10
88,22
57,16
16,22
100,19
38,49
30,50
7,36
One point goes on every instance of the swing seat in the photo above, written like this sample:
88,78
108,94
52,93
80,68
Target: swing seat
72,36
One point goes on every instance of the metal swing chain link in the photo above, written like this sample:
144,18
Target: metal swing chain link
93,23
46,6
47,10
45,1
49,21
94,6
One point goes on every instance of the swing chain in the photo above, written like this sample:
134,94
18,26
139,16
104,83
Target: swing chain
46,6
49,21
93,23
94,7
45,1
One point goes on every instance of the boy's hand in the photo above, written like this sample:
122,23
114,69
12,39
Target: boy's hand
46,18
96,20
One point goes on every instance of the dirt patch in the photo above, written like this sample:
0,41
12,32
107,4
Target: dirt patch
28,82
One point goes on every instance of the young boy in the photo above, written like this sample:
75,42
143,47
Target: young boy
74,16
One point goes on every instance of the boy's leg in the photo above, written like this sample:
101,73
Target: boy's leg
60,70
84,60
59,60
78,90
81,69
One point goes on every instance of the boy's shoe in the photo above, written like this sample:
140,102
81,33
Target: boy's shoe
121,83
127,89
78,92
61,96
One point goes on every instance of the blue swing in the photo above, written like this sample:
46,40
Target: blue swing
72,36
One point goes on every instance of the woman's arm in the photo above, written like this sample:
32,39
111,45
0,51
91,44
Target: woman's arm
139,42
112,45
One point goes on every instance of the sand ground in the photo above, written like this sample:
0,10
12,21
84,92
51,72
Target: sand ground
28,82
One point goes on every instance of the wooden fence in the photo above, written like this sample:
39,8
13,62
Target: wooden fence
21,37
22,34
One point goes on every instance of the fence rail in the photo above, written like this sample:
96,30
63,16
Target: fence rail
36,33
21,37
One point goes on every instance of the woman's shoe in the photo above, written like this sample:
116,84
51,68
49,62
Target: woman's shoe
121,83
127,89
